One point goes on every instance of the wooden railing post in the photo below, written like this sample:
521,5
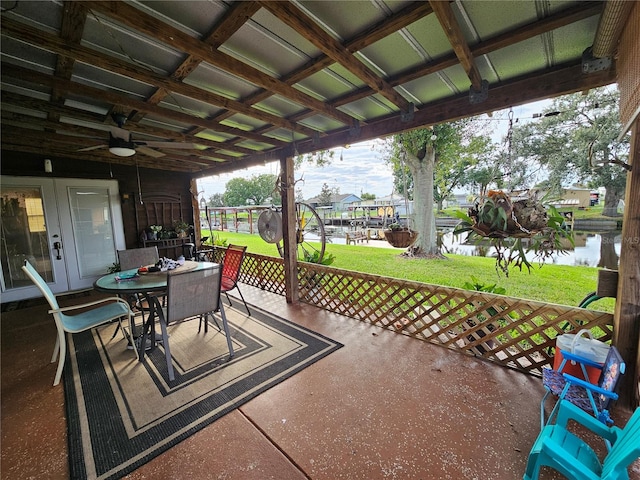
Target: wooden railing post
627,314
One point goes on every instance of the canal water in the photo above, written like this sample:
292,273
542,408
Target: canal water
592,249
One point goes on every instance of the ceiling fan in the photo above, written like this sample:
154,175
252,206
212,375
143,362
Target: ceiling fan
121,144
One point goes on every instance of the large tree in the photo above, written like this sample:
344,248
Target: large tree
429,164
498,169
575,139
256,190
416,151
216,200
468,148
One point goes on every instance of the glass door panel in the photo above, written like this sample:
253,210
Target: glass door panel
30,231
94,239
68,229
24,235
91,222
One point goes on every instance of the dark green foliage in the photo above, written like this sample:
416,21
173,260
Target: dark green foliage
481,287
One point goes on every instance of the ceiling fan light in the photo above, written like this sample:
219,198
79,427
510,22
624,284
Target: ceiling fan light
122,151
121,147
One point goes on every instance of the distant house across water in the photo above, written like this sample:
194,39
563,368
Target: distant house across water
339,202
574,198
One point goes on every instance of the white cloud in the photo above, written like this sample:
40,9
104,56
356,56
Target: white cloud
361,170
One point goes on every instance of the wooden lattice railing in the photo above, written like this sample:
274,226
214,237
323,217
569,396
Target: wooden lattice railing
266,273
513,332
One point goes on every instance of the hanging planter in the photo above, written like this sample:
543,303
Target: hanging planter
400,237
498,216
516,228
396,235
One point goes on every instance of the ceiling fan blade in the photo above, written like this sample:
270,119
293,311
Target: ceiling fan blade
188,146
121,133
149,151
88,149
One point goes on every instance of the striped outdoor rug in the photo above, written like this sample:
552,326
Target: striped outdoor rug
122,413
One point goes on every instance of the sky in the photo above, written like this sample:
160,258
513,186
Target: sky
360,168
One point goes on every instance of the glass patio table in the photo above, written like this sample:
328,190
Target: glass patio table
148,285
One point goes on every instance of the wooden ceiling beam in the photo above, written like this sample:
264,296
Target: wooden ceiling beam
506,39
73,20
232,20
442,9
60,153
23,74
74,17
554,21
295,18
85,136
385,27
10,99
57,45
30,103
411,13
177,39
562,80
557,20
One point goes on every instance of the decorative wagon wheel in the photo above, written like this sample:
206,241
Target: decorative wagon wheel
310,234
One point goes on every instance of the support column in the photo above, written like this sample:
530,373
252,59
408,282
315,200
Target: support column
289,225
195,207
626,336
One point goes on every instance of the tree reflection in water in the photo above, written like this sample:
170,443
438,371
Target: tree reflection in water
592,249
608,255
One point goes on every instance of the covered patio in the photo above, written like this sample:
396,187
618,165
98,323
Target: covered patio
384,406
194,89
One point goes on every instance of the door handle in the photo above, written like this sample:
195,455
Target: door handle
57,246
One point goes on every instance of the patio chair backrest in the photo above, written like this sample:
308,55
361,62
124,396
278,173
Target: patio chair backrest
565,448
39,282
232,262
193,293
625,450
113,308
137,257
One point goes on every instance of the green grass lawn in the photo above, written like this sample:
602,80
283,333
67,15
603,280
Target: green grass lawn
560,284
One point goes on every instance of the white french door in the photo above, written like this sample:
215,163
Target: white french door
69,229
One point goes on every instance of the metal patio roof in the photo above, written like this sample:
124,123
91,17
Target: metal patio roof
228,85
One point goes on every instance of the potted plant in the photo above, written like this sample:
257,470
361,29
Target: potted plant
181,228
155,230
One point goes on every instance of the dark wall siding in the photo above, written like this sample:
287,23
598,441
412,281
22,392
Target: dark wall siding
151,181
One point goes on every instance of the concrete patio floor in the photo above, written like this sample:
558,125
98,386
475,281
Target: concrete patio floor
385,406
